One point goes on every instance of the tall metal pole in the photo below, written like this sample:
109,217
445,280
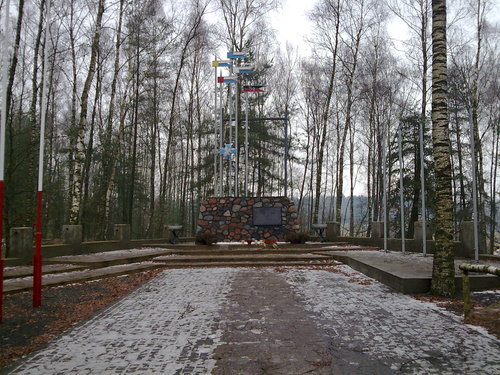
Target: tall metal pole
246,146
37,257
422,188
286,153
401,190
237,156
221,141
229,162
474,188
384,166
215,130
3,123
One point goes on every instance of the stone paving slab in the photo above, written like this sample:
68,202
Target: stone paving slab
109,257
253,263
266,321
242,257
408,273
23,271
26,283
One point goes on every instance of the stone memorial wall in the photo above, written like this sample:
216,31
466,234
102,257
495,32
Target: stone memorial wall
232,219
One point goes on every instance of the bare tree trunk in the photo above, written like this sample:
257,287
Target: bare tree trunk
326,114
443,272
80,146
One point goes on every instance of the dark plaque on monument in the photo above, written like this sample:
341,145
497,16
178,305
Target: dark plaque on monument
266,216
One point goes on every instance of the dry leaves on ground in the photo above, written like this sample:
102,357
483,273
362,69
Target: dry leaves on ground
26,329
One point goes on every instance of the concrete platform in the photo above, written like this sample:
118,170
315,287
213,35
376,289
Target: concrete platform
195,259
23,271
26,283
108,258
253,263
410,273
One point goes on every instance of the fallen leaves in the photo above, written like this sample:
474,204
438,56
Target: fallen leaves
26,329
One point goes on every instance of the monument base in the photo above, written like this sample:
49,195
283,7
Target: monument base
245,218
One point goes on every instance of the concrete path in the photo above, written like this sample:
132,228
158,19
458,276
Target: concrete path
269,321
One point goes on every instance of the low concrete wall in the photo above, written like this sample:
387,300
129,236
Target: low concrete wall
49,251
411,245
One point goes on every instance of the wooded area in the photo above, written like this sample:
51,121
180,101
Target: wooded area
130,121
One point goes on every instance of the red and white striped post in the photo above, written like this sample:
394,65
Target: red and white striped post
37,257
3,122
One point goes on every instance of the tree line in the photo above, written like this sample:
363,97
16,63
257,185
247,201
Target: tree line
130,117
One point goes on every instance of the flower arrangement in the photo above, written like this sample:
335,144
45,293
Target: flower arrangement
262,243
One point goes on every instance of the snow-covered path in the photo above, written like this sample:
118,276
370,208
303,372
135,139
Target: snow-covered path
333,321
167,326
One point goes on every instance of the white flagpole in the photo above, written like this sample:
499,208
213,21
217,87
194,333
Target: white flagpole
3,124
401,190
246,146
236,156
422,188
37,257
215,129
221,141
384,165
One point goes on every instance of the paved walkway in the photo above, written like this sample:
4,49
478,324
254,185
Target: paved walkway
265,321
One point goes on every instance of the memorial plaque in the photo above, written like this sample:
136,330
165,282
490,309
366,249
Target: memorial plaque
266,216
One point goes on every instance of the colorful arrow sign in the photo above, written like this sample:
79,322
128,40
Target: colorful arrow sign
237,55
253,88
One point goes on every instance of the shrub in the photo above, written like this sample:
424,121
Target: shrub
297,237
206,238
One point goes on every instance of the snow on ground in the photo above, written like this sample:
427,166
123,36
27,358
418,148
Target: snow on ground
417,258
410,336
167,326
119,253
343,247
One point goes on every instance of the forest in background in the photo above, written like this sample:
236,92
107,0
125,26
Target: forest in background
130,118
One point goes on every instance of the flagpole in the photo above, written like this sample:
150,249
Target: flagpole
231,108
422,188
384,198
215,127
246,146
221,135
401,192
3,123
236,156
37,257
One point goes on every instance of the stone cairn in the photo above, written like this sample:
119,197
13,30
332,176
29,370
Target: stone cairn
231,219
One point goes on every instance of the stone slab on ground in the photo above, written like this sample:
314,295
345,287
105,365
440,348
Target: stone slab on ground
261,321
237,257
22,271
409,273
26,283
108,258
253,263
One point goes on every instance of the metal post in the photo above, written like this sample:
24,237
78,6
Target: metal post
3,123
237,156
246,146
37,257
215,130
422,188
230,105
384,166
474,187
401,190
286,153
221,141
